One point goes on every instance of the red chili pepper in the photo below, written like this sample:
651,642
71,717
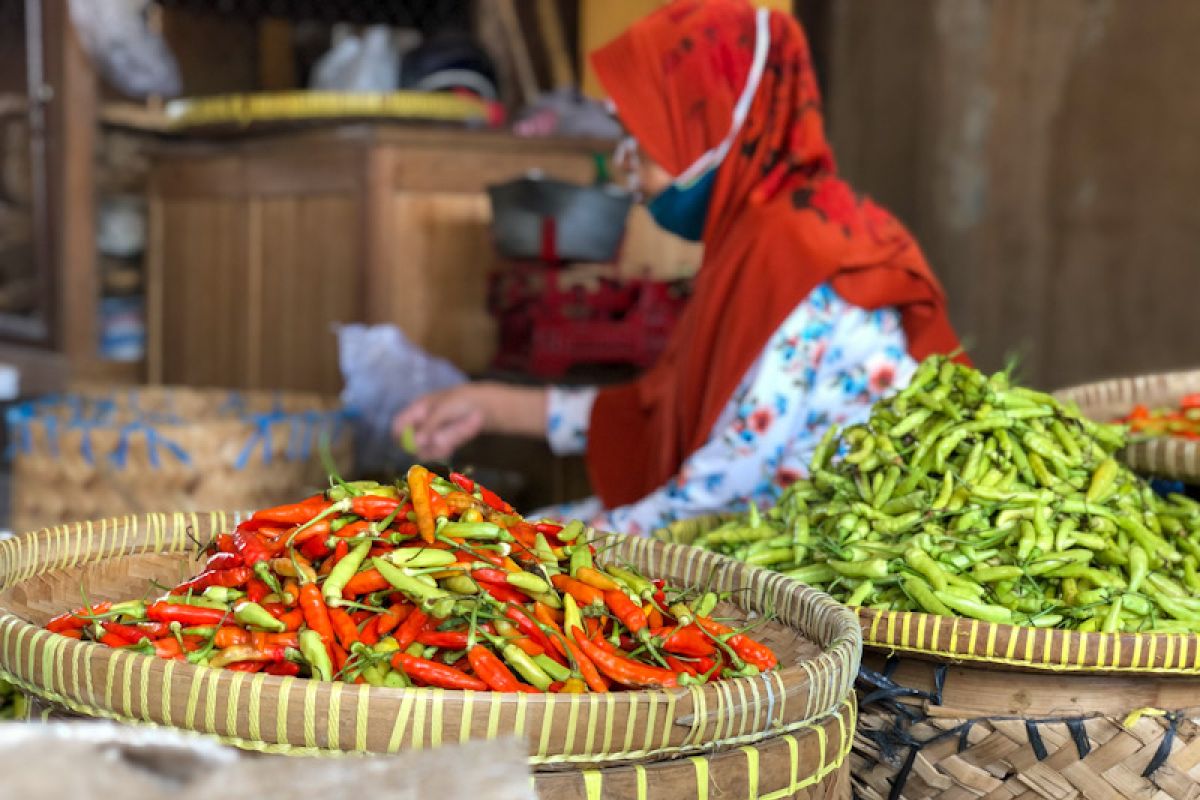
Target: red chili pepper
747,649
493,500
282,668
167,647
491,670
365,582
229,636
154,630
223,560
451,640
246,666
188,616
251,547
292,620
341,551
583,594
232,578
628,612
406,634
490,575
686,641
503,592
314,549
112,640
76,618
224,543
354,529
129,633
530,628
396,613
369,635
344,627
624,670
293,513
256,590
679,665
432,673
316,613
462,482
373,507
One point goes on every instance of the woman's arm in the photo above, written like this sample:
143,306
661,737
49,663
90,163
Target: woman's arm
443,421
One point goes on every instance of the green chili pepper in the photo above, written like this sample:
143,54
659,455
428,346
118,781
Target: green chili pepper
404,583
314,652
570,531
223,594
552,668
706,604
419,557
474,530
923,595
254,615
975,609
581,557
343,571
813,575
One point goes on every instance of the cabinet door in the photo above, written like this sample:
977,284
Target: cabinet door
198,311
434,286
305,273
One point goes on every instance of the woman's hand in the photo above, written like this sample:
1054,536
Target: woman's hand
441,422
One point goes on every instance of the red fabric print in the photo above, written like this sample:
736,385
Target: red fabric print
761,419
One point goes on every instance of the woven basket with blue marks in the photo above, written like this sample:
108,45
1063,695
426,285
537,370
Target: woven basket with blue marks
99,453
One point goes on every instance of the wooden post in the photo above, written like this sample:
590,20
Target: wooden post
72,136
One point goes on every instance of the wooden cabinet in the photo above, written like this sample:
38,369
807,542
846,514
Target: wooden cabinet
258,246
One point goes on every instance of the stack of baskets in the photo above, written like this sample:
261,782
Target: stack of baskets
786,733
98,453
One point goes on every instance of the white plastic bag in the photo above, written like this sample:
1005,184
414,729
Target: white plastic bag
384,372
367,63
133,58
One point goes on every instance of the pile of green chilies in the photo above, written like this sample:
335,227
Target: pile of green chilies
966,495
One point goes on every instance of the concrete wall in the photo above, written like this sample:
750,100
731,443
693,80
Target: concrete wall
1047,155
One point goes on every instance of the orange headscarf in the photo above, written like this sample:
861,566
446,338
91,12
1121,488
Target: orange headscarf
779,223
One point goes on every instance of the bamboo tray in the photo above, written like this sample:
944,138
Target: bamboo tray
1164,456
41,573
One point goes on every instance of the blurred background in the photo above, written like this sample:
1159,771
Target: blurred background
197,192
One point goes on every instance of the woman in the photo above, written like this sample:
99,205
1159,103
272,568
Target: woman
810,304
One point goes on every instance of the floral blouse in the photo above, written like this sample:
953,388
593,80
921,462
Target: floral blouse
826,364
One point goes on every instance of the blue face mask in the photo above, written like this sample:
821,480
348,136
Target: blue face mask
682,210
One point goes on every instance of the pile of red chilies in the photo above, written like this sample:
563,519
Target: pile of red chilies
432,582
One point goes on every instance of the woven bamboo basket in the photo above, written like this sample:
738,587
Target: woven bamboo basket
1165,456
958,708
96,453
782,734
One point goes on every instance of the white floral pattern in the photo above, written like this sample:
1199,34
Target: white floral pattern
825,365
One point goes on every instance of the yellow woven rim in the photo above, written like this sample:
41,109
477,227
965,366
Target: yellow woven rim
960,639
1168,457
243,109
273,714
